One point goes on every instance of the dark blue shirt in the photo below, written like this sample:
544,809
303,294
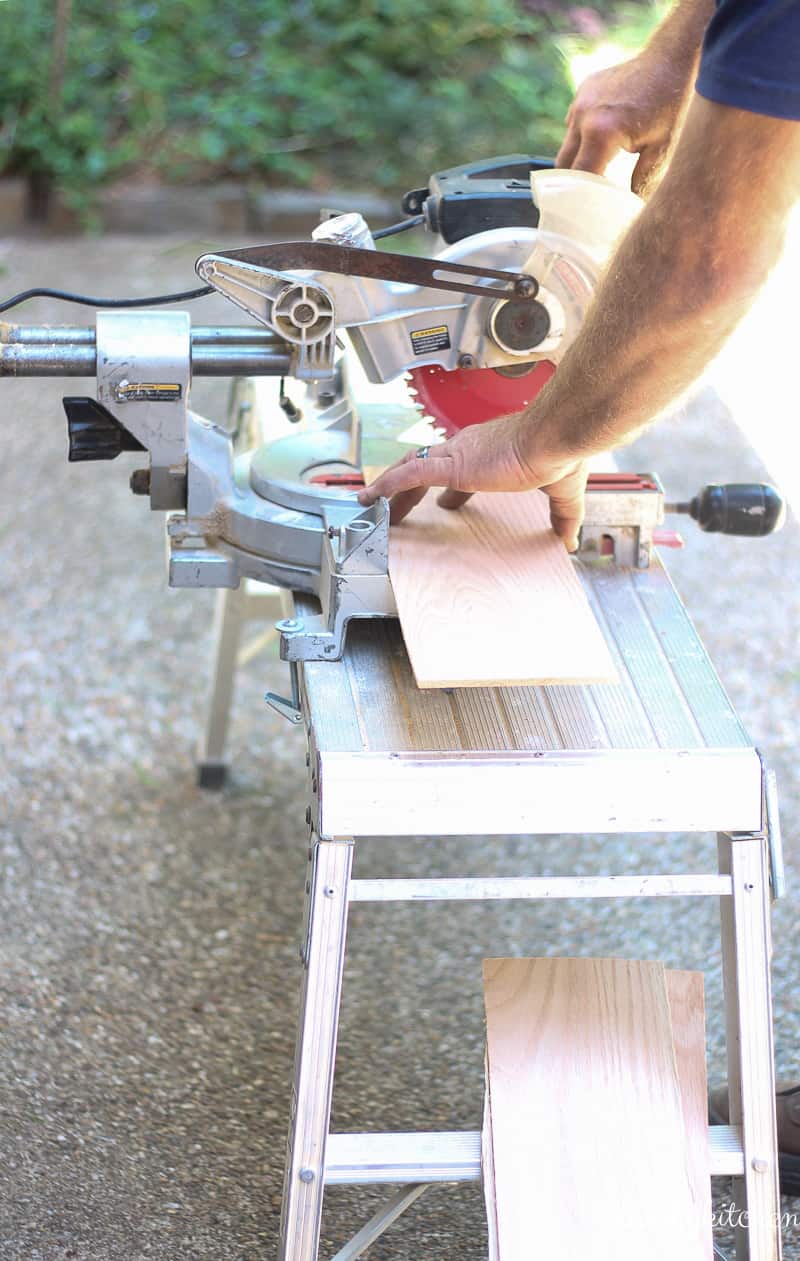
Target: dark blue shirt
751,57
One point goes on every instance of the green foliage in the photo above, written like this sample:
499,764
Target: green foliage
633,24
626,26
380,92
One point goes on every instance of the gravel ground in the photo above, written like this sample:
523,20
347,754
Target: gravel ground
148,942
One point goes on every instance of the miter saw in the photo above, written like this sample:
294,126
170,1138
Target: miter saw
478,324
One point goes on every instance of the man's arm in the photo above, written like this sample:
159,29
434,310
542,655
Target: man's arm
685,273
640,105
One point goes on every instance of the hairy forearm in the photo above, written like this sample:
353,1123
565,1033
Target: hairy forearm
680,35
682,278
652,329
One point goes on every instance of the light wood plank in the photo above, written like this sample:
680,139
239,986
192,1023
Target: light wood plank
487,1170
488,595
588,1136
685,992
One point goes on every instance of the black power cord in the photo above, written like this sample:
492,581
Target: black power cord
402,226
63,295
161,299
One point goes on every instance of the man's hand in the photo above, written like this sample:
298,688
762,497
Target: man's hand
640,105
637,106
497,455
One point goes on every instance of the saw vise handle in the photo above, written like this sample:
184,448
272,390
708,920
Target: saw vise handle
750,509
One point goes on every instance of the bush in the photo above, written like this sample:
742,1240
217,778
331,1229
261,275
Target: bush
380,92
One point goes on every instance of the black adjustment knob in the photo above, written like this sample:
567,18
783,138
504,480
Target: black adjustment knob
94,434
746,508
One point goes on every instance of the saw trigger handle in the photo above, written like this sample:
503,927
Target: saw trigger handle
750,509
492,193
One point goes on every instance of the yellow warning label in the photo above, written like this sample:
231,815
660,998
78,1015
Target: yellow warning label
426,341
147,392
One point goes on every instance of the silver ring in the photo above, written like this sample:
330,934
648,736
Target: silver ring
422,453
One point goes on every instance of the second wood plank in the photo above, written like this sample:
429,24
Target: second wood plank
589,1147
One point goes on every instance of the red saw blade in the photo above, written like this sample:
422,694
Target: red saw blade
469,396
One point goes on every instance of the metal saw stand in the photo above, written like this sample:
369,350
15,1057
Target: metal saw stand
254,419
234,608
661,751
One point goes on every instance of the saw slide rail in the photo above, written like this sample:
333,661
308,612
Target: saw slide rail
71,351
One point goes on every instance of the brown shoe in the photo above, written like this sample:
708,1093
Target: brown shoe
787,1111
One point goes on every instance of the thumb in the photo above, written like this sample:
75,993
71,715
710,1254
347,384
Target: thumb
567,506
453,498
647,170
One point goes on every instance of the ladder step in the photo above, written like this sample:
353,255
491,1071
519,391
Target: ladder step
476,888
455,1156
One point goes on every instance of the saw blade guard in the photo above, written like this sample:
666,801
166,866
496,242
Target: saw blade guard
588,210
581,219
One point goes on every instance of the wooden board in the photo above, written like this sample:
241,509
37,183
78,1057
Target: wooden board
685,992
488,596
589,1149
487,1170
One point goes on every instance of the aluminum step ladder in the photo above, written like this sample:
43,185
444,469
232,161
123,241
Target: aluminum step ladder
662,751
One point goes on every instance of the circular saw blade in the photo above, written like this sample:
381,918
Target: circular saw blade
470,396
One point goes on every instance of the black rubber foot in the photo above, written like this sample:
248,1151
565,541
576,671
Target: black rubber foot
212,775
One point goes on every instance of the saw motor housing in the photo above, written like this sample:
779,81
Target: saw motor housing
395,327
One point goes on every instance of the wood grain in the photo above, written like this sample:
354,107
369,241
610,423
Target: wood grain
488,596
685,992
586,1119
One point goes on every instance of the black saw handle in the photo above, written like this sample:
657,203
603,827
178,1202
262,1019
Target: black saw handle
751,509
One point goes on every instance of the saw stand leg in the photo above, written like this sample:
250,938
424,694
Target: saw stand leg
323,959
746,956
233,609
745,942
